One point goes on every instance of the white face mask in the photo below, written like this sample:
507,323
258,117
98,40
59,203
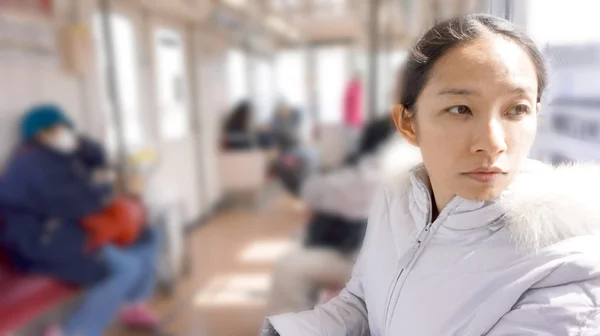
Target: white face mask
64,142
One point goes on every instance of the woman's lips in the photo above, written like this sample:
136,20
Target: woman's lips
484,176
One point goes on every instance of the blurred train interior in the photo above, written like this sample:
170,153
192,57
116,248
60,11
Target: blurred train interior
226,121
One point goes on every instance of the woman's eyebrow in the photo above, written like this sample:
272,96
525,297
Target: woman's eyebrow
460,92
463,92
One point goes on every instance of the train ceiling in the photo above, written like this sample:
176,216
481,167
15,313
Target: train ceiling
296,22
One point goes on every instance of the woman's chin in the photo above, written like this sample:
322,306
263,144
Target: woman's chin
481,194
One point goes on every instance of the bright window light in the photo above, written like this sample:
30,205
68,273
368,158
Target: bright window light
171,84
332,76
563,22
126,62
264,92
237,76
290,75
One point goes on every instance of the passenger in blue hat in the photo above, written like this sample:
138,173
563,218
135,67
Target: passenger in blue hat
46,189
48,125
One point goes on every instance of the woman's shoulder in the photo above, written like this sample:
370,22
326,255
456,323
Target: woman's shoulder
572,260
546,204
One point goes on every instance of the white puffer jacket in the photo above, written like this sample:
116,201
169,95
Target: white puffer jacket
527,263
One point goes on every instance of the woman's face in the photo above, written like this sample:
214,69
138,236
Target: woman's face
476,119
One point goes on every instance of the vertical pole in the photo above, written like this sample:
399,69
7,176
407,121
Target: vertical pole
113,93
194,58
311,84
373,37
390,71
508,6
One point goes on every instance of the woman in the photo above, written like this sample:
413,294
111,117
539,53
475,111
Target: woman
476,240
49,186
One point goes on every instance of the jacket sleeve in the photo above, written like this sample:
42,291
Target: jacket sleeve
73,201
345,314
25,186
570,306
92,153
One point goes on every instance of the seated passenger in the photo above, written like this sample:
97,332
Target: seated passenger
46,190
296,161
238,133
285,127
340,203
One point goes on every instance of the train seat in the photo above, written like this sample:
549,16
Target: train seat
25,298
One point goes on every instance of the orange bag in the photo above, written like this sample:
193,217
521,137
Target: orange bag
120,223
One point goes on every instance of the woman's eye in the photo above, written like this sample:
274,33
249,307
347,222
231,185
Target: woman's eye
459,109
519,110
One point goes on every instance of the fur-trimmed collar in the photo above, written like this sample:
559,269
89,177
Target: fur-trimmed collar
550,204
543,206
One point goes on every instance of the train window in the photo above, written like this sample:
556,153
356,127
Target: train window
237,76
170,84
585,129
332,76
127,79
591,131
388,64
561,123
290,77
559,21
263,86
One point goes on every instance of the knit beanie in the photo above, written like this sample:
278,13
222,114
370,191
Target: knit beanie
42,117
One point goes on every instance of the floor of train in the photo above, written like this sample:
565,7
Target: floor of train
233,254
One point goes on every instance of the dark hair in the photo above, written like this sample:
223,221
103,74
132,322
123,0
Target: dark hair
240,117
373,136
452,33
375,133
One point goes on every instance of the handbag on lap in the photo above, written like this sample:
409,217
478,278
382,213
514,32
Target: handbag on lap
120,223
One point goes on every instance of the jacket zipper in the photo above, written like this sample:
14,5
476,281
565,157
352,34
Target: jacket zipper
418,243
389,298
440,218
395,283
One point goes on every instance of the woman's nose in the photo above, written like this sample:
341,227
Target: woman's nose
489,138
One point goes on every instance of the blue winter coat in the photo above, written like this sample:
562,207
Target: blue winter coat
43,197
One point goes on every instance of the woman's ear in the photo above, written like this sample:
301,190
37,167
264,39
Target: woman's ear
538,108
404,121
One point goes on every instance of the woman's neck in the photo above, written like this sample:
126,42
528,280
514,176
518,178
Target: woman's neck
435,208
439,200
